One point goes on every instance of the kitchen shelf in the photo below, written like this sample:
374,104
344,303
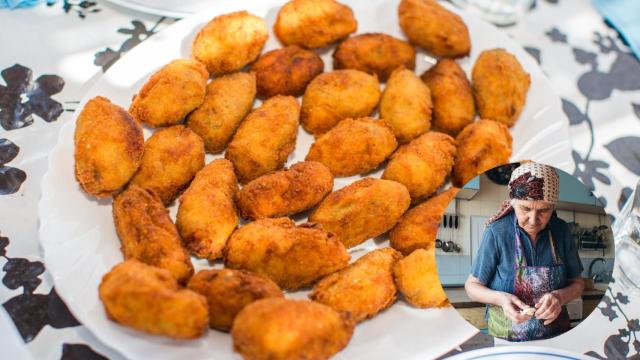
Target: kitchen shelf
470,189
452,253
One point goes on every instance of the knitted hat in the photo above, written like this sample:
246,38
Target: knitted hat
530,181
534,181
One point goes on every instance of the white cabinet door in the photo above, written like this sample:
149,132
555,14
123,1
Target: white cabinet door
477,227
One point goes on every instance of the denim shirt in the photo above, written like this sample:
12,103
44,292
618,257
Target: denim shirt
494,262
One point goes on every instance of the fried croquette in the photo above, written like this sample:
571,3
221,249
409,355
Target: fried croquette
286,71
292,256
482,145
172,157
229,42
229,291
365,209
418,227
406,105
354,146
285,192
434,28
147,234
228,100
314,23
265,138
363,289
374,53
149,299
337,95
500,86
207,213
282,329
171,93
453,103
108,147
423,164
417,279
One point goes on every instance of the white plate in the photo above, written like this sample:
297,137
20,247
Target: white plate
519,353
80,243
170,8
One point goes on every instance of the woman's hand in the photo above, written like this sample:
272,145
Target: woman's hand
511,307
548,308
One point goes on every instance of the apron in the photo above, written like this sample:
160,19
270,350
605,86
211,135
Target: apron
530,284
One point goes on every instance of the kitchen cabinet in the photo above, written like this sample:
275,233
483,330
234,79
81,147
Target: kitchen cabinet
453,269
588,306
573,191
590,301
470,189
473,184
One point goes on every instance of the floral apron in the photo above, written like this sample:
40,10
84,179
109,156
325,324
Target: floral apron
530,284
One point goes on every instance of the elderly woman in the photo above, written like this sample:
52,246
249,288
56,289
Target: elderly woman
527,267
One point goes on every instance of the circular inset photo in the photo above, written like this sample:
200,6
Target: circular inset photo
525,252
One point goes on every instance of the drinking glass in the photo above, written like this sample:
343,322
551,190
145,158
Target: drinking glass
626,231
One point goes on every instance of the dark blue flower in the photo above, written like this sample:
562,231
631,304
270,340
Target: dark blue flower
20,98
137,34
10,178
587,170
556,35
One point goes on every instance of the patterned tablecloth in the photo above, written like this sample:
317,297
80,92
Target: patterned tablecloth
52,53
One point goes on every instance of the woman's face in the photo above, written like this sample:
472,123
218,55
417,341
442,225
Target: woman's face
533,215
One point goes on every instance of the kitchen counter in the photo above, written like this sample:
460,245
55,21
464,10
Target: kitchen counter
474,312
592,294
459,299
